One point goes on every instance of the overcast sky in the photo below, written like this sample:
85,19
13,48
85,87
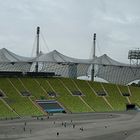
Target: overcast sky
68,26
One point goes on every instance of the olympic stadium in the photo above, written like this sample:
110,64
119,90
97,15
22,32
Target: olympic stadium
42,97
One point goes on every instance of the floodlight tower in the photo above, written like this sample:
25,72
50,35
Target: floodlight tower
134,57
93,57
37,48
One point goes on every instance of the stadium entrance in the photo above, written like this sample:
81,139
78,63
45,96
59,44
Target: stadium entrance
132,107
51,106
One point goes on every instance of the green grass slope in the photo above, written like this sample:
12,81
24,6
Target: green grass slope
15,104
114,97
21,105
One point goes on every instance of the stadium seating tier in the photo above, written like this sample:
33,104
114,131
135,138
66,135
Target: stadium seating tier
14,104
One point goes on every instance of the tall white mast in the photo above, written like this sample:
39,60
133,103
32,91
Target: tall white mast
93,57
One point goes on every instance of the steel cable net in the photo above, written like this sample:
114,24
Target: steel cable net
23,67
72,70
118,74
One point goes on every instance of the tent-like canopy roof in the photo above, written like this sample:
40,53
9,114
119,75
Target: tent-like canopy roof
8,56
106,60
57,57
106,68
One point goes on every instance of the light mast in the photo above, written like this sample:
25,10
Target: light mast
37,48
93,57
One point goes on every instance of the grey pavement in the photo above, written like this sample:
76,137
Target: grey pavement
88,126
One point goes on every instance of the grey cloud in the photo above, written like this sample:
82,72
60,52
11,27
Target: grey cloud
68,26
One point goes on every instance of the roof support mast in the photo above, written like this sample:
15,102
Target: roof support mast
37,48
93,57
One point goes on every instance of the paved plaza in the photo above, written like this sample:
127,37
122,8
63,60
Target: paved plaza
86,126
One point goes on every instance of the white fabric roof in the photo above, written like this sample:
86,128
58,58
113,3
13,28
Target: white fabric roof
106,60
8,56
55,56
106,68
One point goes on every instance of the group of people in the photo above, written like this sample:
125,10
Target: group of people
65,125
24,128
